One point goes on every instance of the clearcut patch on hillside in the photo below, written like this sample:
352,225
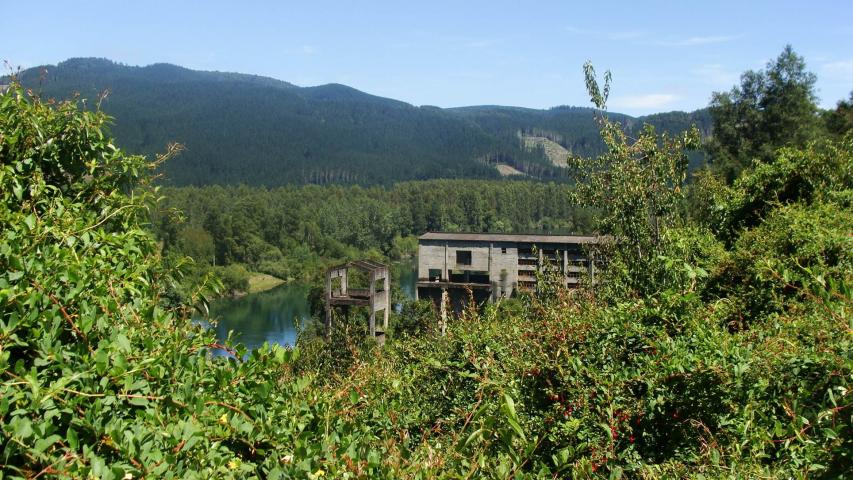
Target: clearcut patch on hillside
507,170
555,152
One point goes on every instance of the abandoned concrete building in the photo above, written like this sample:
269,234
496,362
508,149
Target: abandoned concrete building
340,292
496,265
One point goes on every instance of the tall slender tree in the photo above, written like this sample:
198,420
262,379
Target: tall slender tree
769,109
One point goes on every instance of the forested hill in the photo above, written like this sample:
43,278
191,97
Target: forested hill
256,130
573,128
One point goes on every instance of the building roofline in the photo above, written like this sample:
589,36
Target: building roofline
364,264
511,237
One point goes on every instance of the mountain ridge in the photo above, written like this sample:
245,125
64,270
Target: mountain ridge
244,128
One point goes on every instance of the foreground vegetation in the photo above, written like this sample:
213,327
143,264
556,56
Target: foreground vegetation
719,344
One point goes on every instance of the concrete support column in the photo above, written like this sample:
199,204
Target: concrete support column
328,302
387,287
328,318
445,274
444,301
372,303
592,269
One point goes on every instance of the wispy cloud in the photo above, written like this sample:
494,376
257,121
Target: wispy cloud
479,44
627,35
471,75
308,49
462,42
715,74
696,41
614,35
843,69
646,101
643,37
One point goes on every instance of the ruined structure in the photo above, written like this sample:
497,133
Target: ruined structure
495,265
376,297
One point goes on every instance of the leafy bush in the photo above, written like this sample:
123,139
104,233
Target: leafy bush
415,318
794,175
798,254
235,278
98,379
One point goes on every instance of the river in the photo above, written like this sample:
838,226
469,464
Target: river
272,316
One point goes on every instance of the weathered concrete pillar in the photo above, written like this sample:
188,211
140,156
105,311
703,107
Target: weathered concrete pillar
372,303
387,288
445,274
328,302
592,269
444,302
328,318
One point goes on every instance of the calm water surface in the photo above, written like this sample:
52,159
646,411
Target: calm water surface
273,316
405,275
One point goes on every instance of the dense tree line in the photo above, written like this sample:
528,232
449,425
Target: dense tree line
289,231
771,108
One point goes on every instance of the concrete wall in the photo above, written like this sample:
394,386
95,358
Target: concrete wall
442,255
485,257
431,255
504,286
502,266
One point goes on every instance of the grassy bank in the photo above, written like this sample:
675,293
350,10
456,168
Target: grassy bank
261,282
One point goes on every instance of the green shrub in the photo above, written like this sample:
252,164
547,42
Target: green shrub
99,380
793,175
235,278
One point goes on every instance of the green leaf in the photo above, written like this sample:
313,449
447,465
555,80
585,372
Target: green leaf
42,444
122,342
279,353
516,428
509,406
475,435
71,438
511,416
22,426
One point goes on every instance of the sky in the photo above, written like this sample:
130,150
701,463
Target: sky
664,55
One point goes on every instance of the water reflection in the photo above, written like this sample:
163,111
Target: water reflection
272,316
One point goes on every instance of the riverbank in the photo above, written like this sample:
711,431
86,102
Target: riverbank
261,282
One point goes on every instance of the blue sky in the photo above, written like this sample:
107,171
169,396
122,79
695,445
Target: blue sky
664,55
